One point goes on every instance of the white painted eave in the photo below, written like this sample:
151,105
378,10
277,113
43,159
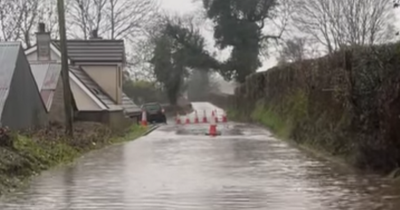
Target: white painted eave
52,47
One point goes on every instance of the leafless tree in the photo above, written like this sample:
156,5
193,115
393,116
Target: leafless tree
335,23
87,15
141,51
29,11
293,49
10,20
275,27
48,14
18,19
113,19
127,18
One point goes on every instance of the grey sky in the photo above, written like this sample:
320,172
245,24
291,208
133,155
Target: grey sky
181,6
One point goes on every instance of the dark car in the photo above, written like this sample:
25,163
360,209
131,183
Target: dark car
155,113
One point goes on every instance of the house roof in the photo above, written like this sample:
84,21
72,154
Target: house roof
46,74
9,52
94,88
128,105
96,50
99,51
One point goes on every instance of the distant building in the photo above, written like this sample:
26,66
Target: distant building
21,106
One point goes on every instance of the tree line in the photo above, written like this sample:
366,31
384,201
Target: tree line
114,19
246,28
166,49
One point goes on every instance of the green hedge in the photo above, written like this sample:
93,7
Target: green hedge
34,152
345,104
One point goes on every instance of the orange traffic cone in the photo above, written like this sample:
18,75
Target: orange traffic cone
187,119
178,119
196,117
204,116
224,118
213,128
144,119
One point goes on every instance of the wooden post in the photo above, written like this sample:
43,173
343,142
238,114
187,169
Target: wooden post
65,70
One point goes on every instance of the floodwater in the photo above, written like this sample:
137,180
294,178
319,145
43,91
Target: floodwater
177,167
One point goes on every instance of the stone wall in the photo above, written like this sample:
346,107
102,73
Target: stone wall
114,119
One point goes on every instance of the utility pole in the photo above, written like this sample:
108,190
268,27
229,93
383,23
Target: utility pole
65,70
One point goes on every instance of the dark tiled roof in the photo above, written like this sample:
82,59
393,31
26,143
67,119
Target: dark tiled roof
97,50
128,105
94,87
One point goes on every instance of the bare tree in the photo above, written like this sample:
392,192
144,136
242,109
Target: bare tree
141,50
335,23
29,12
48,14
114,19
127,18
293,50
87,15
10,20
18,19
276,27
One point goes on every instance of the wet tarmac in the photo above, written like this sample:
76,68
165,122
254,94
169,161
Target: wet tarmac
178,167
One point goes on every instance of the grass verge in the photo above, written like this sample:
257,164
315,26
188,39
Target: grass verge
317,135
27,154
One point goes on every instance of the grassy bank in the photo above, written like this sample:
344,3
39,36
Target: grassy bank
314,130
23,155
344,104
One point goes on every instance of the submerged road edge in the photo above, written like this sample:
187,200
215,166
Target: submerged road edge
39,156
151,129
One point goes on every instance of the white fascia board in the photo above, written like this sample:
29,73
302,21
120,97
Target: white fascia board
52,47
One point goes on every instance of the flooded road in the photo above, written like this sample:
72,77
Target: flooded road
177,167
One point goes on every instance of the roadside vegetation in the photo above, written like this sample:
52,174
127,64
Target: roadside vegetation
334,87
25,154
347,107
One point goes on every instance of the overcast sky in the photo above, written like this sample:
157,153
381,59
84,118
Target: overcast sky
181,6
186,7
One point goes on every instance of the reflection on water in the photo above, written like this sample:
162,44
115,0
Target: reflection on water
173,172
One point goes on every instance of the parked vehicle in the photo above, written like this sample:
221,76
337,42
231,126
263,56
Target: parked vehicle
154,112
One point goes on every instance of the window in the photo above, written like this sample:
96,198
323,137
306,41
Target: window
152,107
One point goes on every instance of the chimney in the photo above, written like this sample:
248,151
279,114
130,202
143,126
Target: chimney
43,43
94,34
